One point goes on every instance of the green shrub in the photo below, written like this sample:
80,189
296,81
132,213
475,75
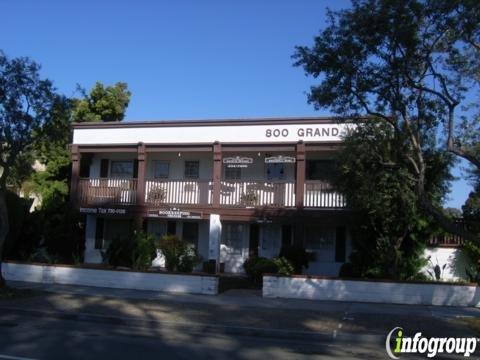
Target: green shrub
284,266
136,251
119,252
255,267
297,255
249,265
179,254
144,250
346,270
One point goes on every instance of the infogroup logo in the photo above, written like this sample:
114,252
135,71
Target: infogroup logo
396,344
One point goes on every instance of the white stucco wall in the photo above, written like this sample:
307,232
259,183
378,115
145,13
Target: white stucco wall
48,274
453,257
371,291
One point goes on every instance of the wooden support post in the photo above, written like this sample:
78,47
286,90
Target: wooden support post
300,178
217,173
140,194
75,157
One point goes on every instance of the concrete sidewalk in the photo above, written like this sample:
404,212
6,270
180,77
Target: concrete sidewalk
253,298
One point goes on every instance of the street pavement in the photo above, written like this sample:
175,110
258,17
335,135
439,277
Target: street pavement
70,322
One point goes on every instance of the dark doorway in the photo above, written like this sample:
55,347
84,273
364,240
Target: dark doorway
171,227
286,235
190,233
254,240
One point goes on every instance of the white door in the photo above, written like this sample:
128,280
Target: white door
234,247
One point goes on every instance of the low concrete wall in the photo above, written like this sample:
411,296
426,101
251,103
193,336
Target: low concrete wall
317,288
119,279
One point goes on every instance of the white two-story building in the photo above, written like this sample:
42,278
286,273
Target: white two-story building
233,188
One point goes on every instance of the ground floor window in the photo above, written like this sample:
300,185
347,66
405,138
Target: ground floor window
232,237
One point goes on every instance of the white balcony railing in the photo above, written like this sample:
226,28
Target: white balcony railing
101,192
320,194
257,193
192,192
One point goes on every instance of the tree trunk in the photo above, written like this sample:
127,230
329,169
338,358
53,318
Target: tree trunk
4,228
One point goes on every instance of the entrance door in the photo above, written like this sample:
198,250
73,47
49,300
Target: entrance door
190,233
233,249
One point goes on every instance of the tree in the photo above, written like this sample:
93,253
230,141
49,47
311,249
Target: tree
26,103
104,103
411,64
392,229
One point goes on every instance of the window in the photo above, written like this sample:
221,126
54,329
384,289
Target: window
320,170
121,169
275,171
232,237
233,173
320,237
161,169
192,169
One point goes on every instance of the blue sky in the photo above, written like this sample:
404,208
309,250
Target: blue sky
181,59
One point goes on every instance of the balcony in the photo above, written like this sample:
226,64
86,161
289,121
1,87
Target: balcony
233,193
178,192
319,194
107,192
257,194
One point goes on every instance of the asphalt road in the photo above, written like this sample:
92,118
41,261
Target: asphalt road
32,337
65,322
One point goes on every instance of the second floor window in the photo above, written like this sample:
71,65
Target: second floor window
233,173
121,169
161,169
192,169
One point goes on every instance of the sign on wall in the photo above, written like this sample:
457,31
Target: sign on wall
174,213
261,134
237,161
103,211
280,159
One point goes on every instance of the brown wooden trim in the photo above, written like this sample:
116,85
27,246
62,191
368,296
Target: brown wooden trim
300,175
107,148
220,122
75,156
176,148
141,158
217,174
255,148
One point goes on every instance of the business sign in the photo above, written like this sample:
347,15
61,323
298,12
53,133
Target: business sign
237,161
235,133
280,159
174,213
103,211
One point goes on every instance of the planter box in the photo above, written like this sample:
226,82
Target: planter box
322,288
119,279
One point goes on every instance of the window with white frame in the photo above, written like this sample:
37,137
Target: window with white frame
121,169
232,237
192,169
161,169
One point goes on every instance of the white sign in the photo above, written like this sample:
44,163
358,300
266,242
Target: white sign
237,133
103,211
279,159
175,214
